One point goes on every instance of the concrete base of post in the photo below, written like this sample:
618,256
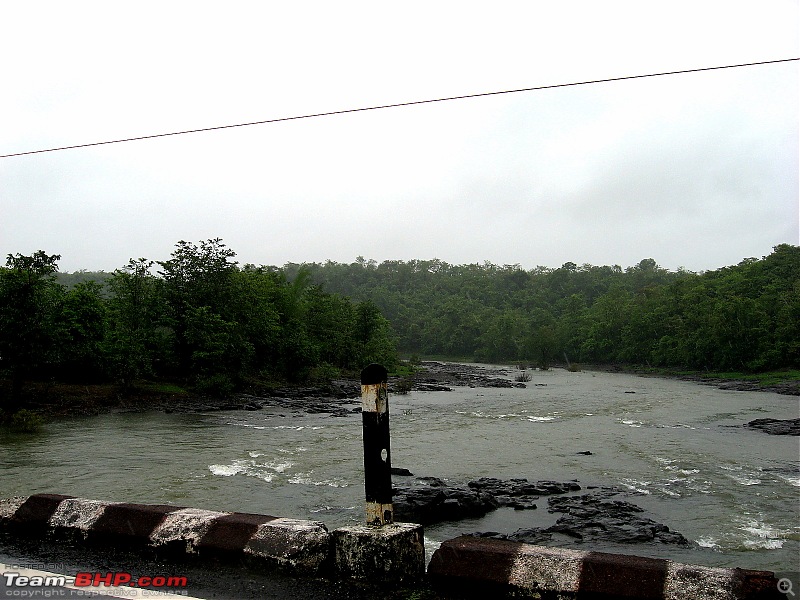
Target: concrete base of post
387,554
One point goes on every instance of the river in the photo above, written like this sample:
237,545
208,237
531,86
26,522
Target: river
734,493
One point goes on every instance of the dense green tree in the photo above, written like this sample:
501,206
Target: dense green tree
220,354
29,306
197,277
258,292
82,327
139,339
372,336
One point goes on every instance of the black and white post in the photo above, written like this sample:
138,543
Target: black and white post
377,456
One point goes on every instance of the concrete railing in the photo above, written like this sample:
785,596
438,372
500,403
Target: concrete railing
390,553
482,567
463,567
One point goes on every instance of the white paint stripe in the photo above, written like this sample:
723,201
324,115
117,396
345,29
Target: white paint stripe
186,524
9,506
375,398
559,569
292,530
369,398
691,581
78,513
550,569
115,592
295,543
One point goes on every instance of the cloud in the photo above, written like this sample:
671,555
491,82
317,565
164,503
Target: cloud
697,170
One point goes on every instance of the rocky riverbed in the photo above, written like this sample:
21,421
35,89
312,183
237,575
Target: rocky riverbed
438,376
599,514
341,397
430,500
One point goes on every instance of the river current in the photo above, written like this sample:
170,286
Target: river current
733,492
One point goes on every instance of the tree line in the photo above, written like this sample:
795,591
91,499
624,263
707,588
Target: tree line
203,320
739,318
198,318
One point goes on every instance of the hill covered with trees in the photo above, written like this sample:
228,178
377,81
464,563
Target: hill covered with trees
739,318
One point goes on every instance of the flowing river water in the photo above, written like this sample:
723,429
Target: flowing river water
733,493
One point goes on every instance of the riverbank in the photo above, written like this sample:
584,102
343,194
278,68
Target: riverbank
786,382
55,400
446,372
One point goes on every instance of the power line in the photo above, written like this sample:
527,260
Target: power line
397,105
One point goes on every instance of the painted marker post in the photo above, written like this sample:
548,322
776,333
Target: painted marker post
377,456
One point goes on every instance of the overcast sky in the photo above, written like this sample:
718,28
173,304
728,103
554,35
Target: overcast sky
696,170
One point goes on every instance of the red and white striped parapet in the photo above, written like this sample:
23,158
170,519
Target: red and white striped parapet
499,567
298,546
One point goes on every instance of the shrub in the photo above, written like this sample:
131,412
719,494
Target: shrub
403,385
25,421
323,373
218,386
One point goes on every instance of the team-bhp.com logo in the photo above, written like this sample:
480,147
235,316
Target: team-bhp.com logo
113,579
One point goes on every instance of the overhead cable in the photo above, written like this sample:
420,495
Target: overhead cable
397,105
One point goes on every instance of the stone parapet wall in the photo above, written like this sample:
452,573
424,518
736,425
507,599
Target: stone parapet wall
478,567
465,567
292,545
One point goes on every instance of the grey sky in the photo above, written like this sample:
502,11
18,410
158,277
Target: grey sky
696,170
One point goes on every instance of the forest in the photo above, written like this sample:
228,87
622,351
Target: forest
739,318
197,318
200,319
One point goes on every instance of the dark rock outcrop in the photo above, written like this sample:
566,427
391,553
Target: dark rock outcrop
430,500
520,493
401,472
776,426
596,517
788,388
438,376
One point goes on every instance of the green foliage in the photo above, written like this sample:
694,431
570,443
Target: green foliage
70,280
218,385
139,335
22,421
745,317
323,373
404,385
29,325
82,325
201,321
405,368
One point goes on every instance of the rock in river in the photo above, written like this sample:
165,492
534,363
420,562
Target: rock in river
430,500
776,426
594,517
